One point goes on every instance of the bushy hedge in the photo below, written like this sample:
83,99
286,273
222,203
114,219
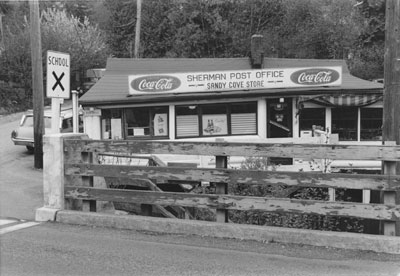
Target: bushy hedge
13,99
291,220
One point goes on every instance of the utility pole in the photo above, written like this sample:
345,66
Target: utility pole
37,83
391,101
138,22
1,33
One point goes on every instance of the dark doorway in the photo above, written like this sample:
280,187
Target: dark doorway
279,118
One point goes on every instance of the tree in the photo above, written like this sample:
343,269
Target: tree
367,56
121,27
83,41
60,32
15,59
189,28
292,29
328,29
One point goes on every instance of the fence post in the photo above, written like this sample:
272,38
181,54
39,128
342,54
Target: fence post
221,162
53,175
87,181
146,209
390,228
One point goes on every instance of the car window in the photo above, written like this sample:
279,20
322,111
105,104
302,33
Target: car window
28,122
67,125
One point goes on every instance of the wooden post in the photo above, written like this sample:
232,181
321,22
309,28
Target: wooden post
138,23
389,197
332,194
88,205
221,188
391,100
37,83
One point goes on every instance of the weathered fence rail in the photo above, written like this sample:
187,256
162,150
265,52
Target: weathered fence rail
79,169
300,179
317,151
243,203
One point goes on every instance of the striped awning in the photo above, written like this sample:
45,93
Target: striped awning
345,100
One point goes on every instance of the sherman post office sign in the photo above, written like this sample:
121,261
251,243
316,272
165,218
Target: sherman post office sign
235,80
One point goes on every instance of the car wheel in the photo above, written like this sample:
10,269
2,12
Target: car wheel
30,149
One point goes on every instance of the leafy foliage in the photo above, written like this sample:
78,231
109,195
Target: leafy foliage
82,40
15,58
222,29
367,56
322,29
291,220
292,29
60,32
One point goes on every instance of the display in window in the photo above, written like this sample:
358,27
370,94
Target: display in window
215,125
344,122
116,129
279,118
160,125
146,122
111,129
371,124
310,117
138,131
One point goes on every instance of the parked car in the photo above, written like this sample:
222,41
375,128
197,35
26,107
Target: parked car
23,136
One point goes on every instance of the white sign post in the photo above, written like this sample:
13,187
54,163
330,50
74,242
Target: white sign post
58,84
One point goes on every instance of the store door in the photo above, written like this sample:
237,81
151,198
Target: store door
279,118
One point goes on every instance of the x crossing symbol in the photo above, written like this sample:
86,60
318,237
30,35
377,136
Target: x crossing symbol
58,81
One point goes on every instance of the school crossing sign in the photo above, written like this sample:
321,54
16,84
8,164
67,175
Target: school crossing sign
58,75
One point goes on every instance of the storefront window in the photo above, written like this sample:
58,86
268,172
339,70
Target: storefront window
187,121
279,118
244,118
310,117
344,122
111,124
371,124
141,122
216,120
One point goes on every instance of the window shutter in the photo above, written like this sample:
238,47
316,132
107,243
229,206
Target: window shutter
244,123
187,125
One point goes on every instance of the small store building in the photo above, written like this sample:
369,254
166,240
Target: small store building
235,99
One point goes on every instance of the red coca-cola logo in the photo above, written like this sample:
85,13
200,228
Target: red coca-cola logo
160,83
316,76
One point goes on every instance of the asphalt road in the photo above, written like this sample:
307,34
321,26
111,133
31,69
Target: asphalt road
59,249
55,249
21,189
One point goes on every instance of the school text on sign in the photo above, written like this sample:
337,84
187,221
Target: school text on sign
58,75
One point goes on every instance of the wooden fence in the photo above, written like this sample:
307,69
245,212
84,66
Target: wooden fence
80,168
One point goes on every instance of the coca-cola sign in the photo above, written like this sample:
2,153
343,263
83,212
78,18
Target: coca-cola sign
234,80
157,83
315,76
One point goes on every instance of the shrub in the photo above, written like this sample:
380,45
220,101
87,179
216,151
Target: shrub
291,220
